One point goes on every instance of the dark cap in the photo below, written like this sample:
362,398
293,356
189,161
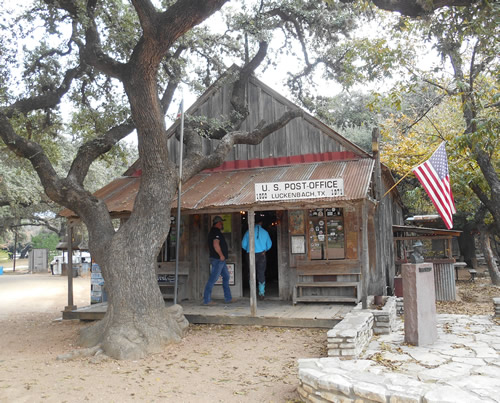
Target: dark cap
217,219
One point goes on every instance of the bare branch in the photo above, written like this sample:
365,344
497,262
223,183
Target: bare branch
238,101
480,194
94,148
174,81
37,222
92,52
49,99
183,15
434,103
196,163
34,153
416,8
287,17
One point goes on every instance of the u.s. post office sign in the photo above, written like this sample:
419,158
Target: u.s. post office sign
311,189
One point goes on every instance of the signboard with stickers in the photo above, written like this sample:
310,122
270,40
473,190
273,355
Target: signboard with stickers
326,234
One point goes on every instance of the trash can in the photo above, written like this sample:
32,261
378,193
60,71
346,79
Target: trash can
398,286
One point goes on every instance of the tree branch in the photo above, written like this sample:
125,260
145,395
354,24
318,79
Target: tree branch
174,80
196,163
481,195
147,16
94,148
92,52
238,100
435,102
416,8
49,99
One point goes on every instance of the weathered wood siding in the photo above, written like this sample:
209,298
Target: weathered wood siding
351,225
387,213
298,137
286,274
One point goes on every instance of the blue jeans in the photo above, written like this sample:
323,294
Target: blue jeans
219,267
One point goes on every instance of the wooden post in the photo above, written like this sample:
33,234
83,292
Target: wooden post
380,222
70,306
376,156
365,258
15,251
251,255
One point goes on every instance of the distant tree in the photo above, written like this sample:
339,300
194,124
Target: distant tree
45,240
461,107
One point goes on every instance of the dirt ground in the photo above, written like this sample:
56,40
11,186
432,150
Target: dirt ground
211,364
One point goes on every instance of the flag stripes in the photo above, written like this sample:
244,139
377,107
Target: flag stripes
434,177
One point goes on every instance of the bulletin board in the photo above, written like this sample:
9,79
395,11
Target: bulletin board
296,218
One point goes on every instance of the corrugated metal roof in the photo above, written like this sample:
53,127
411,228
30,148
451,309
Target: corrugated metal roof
235,189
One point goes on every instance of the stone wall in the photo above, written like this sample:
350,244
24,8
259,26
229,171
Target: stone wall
351,335
335,380
454,375
384,318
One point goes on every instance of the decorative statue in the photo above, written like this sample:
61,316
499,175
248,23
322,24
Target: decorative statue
416,255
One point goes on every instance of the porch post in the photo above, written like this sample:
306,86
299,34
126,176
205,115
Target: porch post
251,256
365,263
70,306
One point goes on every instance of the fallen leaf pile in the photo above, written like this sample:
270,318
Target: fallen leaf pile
473,297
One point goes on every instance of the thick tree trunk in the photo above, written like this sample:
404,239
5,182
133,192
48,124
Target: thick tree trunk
468,247
137,322
489,257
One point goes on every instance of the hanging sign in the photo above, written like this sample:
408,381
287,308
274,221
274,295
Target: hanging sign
312,189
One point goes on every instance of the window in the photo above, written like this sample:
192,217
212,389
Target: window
326,234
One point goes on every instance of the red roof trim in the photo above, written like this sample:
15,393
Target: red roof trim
278,161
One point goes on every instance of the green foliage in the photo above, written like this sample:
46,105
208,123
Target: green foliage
455,100
46,240
4,256
359,135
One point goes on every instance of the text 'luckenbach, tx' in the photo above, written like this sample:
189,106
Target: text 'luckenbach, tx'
312,189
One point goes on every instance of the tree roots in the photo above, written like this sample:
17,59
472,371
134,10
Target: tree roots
132,337
85,352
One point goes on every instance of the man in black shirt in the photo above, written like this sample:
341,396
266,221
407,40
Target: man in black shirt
218,254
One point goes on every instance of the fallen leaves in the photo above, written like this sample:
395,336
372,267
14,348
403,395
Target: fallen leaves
474,298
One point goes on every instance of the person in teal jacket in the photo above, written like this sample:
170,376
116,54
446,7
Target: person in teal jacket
262,244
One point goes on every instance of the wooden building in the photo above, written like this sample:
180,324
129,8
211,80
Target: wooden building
319,195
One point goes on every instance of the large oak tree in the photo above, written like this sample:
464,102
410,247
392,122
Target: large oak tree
136,322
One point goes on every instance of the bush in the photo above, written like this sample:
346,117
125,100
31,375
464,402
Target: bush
4,256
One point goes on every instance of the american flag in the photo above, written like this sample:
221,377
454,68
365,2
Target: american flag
434,177
181,109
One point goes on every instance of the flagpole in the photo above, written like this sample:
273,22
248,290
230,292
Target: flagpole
409,172
179,190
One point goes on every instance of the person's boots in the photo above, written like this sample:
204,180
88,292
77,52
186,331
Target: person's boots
262,290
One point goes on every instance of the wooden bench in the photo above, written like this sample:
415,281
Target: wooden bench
458,266
328,281
165,272
473,274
